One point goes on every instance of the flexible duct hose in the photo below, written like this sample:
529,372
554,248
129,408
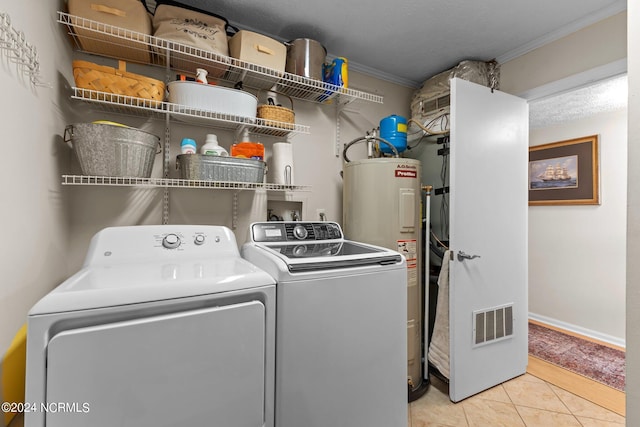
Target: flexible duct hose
426,129
367,138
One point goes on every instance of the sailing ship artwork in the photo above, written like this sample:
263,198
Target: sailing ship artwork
554,173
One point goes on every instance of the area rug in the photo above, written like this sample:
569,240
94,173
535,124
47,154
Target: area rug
595,361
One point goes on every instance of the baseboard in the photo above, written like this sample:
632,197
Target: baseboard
598,336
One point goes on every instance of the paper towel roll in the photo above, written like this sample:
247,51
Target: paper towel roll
281,167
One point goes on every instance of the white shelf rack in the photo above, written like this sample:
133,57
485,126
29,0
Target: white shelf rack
185,59
129,105
174,183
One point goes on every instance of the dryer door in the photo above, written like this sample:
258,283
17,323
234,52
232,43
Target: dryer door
197,368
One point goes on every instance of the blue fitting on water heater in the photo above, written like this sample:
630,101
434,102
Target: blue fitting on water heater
393,129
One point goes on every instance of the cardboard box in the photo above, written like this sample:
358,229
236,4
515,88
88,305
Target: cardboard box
258,49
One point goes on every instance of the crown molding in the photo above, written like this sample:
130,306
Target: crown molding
578,24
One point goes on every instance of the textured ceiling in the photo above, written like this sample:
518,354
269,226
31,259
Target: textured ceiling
411,40
604,96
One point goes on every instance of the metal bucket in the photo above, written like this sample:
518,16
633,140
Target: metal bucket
220,168
305,58
113,150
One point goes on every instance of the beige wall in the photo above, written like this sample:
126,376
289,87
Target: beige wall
596,45
34,206
577,253
560,290
633,221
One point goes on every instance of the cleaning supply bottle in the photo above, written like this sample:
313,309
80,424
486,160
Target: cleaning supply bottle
201,75
188,146
211,146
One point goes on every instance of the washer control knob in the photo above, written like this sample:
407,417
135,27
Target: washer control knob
300,250
300,232
171,241
199,239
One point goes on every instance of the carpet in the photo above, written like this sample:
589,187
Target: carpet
595,361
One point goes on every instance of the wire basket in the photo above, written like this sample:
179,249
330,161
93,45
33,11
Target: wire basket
276,115
88,75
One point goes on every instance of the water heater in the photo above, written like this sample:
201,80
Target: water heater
381,206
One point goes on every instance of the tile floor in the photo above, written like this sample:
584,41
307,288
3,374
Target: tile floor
525,401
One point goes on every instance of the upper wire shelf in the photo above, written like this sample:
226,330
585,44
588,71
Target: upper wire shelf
174,183
130,105
146,49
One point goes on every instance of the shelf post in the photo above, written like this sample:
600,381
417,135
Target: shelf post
165,171
336,148
167,146
234,211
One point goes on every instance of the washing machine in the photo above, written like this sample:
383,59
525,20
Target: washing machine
162,326
341,337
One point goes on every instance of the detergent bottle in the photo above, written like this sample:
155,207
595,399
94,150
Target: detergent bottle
211,146
188,146
336,73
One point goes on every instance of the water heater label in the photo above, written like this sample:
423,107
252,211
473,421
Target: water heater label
409,248
402,173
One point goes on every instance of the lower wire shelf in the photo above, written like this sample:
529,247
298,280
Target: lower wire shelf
175,183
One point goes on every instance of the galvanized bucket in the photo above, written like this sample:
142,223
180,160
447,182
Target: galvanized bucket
203,167
113,150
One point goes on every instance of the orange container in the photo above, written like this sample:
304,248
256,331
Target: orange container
248,150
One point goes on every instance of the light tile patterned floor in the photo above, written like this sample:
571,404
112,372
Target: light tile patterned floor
525,401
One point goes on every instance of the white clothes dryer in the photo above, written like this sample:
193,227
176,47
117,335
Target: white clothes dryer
163,326
341,326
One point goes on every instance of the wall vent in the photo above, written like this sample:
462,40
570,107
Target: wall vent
493,324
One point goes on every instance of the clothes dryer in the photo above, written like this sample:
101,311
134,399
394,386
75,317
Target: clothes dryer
163,326
341,337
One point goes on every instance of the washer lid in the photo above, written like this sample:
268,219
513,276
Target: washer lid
285,260
323,250
108,286
328,256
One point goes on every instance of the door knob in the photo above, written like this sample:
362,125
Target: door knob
462,256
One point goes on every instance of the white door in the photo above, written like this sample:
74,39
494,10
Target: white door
489,202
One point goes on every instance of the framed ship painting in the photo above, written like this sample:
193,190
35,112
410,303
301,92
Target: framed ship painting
564,173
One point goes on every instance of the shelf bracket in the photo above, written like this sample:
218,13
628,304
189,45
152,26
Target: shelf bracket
336,148
234,211
167,146
165,170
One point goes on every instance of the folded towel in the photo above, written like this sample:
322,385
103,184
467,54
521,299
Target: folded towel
438,354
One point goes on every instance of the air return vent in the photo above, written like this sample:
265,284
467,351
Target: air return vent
493,324
432,105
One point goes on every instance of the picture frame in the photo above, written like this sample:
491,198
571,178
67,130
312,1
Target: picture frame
565,173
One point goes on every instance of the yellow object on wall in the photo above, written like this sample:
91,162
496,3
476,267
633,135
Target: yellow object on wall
12,372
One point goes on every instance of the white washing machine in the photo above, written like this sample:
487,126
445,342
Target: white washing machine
341,326
162,326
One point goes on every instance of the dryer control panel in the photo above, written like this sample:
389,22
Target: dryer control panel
150,243
293,231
